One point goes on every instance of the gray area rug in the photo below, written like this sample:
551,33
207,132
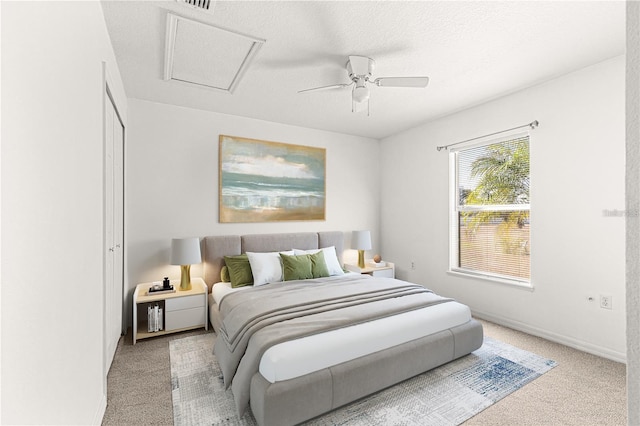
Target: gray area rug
447,395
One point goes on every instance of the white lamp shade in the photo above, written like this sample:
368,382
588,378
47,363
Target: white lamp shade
185,251
361,240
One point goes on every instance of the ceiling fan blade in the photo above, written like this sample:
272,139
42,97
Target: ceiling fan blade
333,86
402,81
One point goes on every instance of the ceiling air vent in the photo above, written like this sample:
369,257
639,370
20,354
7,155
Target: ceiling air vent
205,5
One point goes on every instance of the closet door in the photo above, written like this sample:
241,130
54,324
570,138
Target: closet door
114,229
118,226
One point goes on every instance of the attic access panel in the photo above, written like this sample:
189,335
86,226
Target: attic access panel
206,55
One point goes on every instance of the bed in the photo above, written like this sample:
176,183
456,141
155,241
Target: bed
296,349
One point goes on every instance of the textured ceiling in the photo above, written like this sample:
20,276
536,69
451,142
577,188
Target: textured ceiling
472,51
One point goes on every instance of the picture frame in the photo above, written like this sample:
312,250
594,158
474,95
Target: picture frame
265,181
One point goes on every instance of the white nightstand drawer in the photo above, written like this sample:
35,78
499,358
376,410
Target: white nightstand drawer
184,318
186,302
387,273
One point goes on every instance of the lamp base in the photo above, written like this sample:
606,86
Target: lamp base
185,277
360,258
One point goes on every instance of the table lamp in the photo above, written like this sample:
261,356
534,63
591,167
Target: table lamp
361,241
185,252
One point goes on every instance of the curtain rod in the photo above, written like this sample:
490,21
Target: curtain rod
532,125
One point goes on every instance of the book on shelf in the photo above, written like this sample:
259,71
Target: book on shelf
154,318
150,319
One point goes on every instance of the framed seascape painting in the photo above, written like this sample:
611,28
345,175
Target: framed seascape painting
263,181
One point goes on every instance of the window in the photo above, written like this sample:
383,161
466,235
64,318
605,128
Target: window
490,225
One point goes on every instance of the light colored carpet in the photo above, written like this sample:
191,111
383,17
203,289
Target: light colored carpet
447,395
582,390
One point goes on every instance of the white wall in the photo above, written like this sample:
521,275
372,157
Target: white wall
172,183
577,171
633,205
52,211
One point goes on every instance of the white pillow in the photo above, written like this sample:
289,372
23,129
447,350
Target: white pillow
266,267
330,258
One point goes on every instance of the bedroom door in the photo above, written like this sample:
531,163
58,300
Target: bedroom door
114,229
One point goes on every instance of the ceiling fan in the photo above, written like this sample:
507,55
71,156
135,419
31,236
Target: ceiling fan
359,69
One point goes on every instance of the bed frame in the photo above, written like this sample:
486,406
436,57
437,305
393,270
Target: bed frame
294,401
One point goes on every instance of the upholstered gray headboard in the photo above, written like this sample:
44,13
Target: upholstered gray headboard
218,246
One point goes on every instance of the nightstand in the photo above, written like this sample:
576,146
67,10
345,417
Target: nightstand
388,271
181,310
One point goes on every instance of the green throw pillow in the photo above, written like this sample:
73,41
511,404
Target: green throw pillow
296,267
239,270
224,274
319,267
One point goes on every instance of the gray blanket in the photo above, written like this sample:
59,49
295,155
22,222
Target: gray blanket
257,319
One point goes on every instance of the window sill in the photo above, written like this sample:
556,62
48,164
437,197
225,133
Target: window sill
512,283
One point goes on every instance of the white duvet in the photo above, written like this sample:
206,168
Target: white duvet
298,357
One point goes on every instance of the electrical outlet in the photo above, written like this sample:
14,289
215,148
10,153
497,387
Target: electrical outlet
606,302
413,266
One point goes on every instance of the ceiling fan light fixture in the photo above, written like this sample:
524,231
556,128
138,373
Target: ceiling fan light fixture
360,94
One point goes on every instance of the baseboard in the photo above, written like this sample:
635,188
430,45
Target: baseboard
102,408
554,337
